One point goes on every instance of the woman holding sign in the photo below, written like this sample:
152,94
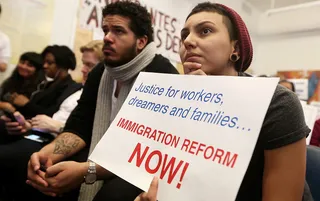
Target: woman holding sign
215,41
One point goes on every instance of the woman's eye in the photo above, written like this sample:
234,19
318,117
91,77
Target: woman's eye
206,31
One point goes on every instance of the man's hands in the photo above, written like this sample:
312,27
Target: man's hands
59,178
65,176
56,179
37,166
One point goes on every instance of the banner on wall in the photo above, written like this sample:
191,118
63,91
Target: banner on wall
166,27
189,131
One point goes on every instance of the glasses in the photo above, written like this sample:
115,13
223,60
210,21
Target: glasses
49,62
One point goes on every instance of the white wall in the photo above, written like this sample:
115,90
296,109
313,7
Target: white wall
288,39
249,14
64,22
299,51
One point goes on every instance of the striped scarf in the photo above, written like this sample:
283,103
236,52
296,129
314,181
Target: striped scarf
125,74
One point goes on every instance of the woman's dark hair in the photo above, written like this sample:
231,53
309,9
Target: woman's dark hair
26,86
216,8
33,58
64,56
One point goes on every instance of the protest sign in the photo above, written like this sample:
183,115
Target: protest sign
196,133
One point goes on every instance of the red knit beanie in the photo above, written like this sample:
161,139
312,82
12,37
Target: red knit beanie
244,41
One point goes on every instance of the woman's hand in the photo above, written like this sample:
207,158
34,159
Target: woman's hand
192,68
19,100
20,127
151,195
7,107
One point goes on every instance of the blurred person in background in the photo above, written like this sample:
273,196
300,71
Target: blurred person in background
91,55
15,151
58,60
287,84
315,137
24,80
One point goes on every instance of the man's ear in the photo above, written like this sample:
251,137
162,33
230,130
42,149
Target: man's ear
235,48
141,43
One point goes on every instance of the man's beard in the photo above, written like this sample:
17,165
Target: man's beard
130,54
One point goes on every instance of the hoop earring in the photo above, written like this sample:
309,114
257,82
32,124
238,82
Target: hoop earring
234,58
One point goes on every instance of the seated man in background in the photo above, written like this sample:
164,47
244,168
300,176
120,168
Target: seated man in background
91,55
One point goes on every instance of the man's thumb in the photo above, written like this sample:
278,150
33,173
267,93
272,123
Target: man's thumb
49,162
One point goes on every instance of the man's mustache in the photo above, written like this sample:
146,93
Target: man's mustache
107,47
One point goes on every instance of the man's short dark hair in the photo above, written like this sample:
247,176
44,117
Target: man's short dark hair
215,8
140,18
0,9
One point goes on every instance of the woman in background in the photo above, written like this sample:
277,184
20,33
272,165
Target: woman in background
15,150
58,60
24,80
91,55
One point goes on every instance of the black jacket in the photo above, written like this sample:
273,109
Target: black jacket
80,121
48,100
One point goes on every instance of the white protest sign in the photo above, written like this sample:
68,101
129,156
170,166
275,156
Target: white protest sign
196,133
